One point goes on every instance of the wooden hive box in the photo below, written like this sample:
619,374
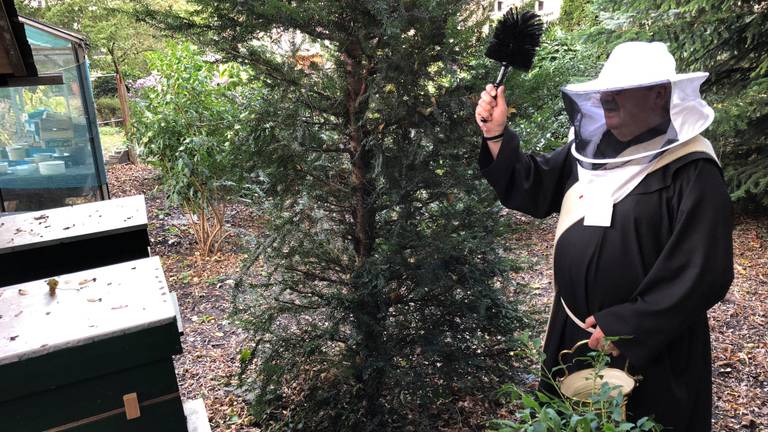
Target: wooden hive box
40,244
96,356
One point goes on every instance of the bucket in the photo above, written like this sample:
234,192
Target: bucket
51,167
581,385
17,153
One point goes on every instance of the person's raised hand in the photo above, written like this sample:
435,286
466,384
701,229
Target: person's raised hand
597,341
491,111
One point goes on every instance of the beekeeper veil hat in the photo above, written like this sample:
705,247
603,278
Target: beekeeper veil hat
633,65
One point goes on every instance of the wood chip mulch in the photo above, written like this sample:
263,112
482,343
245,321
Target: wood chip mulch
208,367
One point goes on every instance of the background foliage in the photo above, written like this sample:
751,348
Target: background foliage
107,108
538,115
577,14
115,38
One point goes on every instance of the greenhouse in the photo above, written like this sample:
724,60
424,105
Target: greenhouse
50,154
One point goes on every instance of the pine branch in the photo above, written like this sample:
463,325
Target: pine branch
297,305
315,277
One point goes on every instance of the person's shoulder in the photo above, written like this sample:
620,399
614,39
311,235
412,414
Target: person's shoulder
697,153
699,174
690,156
694,167
682,170
693,161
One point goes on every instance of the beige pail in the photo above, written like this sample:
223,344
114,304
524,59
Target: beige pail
581,385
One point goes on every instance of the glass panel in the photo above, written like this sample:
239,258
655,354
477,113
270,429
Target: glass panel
40,38
46,151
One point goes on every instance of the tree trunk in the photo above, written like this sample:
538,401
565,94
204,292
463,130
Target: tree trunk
368,313
122,95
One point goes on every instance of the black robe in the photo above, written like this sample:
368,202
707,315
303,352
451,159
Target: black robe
652,275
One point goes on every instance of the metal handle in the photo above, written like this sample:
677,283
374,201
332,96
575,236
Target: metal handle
499,81
571,351
502,75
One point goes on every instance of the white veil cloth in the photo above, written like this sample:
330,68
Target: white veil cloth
606,178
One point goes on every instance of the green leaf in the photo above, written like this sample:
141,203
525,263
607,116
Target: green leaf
245,355
529,402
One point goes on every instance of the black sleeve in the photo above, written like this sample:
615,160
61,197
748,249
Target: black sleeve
531,184
692,274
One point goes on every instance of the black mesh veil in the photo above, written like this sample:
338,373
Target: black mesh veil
596,147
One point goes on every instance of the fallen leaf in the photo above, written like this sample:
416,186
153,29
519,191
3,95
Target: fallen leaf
739,268
86,281
13,338
747,421
18,313
94,300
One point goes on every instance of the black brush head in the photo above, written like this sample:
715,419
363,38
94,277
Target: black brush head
516,38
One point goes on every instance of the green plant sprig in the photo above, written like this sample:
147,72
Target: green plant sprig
538,411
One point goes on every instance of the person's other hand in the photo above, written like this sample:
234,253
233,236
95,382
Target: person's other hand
597,341
493,110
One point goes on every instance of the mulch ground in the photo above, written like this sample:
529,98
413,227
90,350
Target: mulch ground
212,342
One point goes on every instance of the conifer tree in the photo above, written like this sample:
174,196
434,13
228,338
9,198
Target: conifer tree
378,306
576,14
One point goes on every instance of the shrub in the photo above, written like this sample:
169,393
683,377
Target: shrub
104,87
108,108
186,122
